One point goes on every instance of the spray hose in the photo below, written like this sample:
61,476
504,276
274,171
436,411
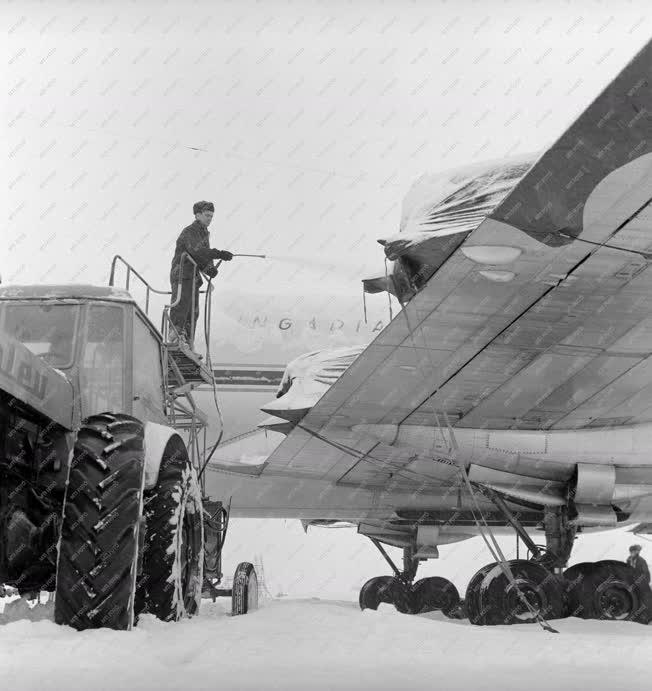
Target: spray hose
207,335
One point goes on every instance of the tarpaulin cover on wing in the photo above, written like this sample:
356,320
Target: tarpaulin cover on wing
307,378
439,211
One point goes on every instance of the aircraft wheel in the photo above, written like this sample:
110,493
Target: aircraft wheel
244,597
387,589
472,603
501,600
610,591
435,593
573,583
375,591
402,596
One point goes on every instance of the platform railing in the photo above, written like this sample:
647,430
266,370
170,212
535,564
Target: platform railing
182,411
130,270
149,290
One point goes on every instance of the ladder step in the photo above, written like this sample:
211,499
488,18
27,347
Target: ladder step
191,370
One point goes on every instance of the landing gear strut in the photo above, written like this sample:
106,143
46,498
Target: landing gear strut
426,595
521,591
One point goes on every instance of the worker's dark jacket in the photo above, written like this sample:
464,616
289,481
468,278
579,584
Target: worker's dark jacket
194,240
640,567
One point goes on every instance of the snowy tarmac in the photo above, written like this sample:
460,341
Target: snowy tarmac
325,644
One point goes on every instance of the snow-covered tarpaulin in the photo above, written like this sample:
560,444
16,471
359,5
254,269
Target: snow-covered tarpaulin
307,378
438,212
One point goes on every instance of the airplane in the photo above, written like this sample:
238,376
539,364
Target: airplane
510,392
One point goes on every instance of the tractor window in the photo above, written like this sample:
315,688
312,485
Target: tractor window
48,330
148,377
102,366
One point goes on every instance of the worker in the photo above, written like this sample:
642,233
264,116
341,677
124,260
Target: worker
193,240
636,561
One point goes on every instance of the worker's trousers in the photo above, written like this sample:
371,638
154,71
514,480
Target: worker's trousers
182,315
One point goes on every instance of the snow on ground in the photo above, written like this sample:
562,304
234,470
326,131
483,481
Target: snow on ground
301,642
315,644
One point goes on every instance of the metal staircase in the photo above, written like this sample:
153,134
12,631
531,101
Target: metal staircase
184,370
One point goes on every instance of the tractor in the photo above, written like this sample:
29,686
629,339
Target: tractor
102,453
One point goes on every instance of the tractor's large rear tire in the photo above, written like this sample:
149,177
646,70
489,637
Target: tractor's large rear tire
172,576
98,550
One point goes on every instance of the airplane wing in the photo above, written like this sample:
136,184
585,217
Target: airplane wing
540,319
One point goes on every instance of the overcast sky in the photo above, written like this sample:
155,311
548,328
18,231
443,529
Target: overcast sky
313,119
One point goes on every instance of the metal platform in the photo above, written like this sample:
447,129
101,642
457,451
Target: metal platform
190,366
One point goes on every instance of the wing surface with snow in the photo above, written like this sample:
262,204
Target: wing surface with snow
541,318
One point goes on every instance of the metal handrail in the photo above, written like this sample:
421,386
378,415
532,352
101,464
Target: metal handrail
131,270
165,318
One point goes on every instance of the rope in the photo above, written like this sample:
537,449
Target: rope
389,295
481,523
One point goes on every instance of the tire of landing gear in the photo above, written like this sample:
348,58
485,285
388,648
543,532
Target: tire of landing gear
98,550
388,589
472,603
402,596
500,599
375,591
171,581
573,582
244,595
609,591
435,593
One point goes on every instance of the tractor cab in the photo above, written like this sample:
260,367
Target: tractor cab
100,340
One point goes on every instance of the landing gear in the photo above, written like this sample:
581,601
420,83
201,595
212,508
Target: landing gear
531,595
607,590
435,593
426,595
541,590
388,589
375,591
520,591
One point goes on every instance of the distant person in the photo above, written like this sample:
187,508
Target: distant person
194,240
636,561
